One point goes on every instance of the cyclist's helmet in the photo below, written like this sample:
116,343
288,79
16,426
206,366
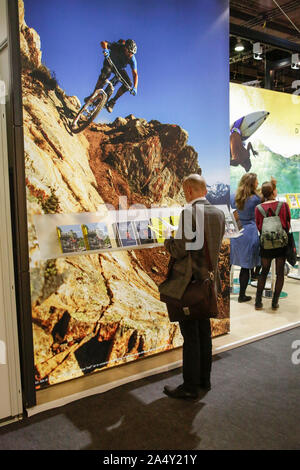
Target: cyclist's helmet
131,46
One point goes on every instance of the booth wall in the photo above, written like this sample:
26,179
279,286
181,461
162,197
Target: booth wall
10,376
5,408
4,58
91,312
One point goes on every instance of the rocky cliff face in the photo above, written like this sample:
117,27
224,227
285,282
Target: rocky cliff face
144,161
95,311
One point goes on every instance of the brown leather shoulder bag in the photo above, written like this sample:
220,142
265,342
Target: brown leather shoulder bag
199,299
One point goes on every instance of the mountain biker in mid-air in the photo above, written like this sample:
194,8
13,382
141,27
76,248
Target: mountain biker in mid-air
122,53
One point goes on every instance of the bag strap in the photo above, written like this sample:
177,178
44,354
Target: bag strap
205,247
279,205
261,210
276,212
207,255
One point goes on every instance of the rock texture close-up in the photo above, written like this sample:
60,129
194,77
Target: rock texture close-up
100,310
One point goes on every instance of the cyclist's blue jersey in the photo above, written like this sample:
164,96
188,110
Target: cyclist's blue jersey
133,63
119,57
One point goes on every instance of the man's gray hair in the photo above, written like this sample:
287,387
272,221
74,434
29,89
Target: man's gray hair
195,181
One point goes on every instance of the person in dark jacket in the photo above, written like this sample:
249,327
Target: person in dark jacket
188,264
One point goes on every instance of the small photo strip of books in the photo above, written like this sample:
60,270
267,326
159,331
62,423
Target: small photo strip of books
293,200
71,238
124,234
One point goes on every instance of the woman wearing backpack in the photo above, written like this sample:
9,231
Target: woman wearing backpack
273,222
244,250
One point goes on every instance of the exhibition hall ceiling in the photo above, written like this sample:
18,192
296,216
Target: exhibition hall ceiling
265,16
252,21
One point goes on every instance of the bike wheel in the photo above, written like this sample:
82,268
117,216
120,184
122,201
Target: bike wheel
88,112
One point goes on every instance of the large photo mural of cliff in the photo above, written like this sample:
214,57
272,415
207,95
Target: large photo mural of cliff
93,311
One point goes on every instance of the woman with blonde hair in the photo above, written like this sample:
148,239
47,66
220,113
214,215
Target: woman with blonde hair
244,250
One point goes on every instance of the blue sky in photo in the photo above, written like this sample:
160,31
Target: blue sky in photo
182,62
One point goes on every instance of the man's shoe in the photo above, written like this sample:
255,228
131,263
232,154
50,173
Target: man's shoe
180,392
244,298
110,105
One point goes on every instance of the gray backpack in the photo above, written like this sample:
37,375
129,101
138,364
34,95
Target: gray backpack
272,234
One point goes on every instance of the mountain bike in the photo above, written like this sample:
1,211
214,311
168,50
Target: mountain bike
97,101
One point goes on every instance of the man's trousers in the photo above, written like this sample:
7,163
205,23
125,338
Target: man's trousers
197,352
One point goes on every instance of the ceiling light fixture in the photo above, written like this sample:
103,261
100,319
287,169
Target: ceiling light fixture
239,47
257,51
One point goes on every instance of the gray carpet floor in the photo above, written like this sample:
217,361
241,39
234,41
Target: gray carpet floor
254,404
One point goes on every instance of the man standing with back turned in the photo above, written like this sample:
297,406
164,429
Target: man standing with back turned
188,263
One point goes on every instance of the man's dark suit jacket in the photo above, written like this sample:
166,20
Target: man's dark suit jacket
185,265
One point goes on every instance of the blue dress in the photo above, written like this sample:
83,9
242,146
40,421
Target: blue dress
244,251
